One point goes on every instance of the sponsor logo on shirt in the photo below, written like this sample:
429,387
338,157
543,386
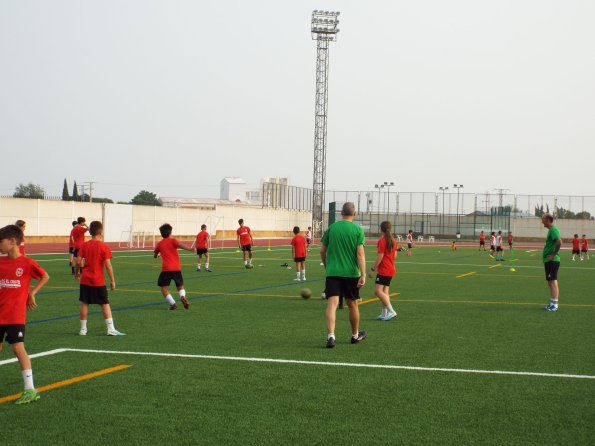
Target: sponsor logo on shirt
10,283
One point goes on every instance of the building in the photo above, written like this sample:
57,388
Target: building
232,189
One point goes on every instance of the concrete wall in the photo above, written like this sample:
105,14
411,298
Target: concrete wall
50,221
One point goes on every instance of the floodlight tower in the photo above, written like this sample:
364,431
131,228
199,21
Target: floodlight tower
323,30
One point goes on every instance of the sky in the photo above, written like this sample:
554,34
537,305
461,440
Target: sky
172,96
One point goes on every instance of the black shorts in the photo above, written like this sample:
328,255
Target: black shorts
166,277
383,280
201,251
246,248
75,252
576,251
510,244
551,270
309,241
299,259
410,245
492,248
498,248
584,250
342,286
482,243
93,295
70,250
14,333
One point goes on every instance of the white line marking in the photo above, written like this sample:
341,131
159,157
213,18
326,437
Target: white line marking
35,355
335,364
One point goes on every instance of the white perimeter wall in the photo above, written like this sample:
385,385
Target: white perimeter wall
47,218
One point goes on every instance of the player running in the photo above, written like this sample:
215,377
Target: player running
298,250
16,272
245,242
386,249
409,242
201,245
171,268
576,247
584,247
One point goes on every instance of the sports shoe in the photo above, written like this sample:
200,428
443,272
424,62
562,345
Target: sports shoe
198,270
173,306
209,270
185,302
296,280
83,333
361,335
380,317
115,333
330,343
304,279
551,307
389,316
28,396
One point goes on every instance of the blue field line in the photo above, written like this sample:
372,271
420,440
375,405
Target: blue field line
161,302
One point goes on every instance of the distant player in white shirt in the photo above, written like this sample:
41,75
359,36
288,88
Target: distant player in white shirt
499,250
409,242
309,237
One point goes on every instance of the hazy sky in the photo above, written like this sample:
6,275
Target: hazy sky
171,96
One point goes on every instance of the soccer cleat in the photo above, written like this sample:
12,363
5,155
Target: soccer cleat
296,280
173,307
185,302
83,333
198,270
115,333
209,270
304,279
330,343
551,307
380,317
389,316
361,335
28,396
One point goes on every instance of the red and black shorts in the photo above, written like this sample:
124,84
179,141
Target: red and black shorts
342,286
166,277
201,251
299,259
14,333
383,280
93,295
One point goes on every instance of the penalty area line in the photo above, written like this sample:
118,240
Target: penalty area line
335,364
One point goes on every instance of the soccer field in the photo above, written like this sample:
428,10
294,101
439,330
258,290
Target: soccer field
471,359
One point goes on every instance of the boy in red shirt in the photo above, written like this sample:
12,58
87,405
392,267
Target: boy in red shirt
298,249
584,247
91,259
78,236
16,272
170,266
22,226
201,245
245,242
482,241
71,248
576,247
386,270
510,241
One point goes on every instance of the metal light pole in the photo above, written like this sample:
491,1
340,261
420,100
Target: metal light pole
458,187
388,185
379,186
443,189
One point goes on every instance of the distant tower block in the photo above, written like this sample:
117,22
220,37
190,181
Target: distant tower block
324,30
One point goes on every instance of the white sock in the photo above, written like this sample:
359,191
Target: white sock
83,325
28,379
384,311
170,300
298,275
250,260
198,266
109,323
331,335
207,265
182,293
245,262
390,309
303,273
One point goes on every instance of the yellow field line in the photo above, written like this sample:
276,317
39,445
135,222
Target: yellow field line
466,274
375,299
486,302
68,382
495,266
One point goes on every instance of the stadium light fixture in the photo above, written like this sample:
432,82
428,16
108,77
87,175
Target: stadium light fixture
458,187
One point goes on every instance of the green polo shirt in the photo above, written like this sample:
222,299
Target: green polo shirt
341,240
550,244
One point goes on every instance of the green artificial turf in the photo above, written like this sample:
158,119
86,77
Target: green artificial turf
489,320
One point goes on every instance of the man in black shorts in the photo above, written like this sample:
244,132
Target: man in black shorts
343,256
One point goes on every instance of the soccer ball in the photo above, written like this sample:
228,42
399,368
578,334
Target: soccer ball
306,293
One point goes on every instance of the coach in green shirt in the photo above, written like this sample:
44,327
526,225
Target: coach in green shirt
343,256
551,259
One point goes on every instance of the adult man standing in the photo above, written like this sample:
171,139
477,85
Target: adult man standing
551,259
343,256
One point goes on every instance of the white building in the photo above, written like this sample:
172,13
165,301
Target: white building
232,189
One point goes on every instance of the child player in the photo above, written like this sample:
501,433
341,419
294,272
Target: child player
309,237
201,245
245,242
584,247
492,244
385,267
78,236
298,248
499,250
510,241
576,247
93,257
16,272
22,226
409,243
482,241
170,266
71,248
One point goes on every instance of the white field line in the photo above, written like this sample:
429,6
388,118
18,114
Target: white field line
316,363
35,355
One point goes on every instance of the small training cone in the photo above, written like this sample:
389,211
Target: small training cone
512,270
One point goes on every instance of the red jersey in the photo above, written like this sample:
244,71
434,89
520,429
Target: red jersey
78,236
576,243
482,237
170,259
509,238
585,245
15,278
201,240
244,233
95,253
70,242
387,264
299,246
22,247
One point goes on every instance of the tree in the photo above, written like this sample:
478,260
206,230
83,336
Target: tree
28,191
75,192
65,194
147,198
87,198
